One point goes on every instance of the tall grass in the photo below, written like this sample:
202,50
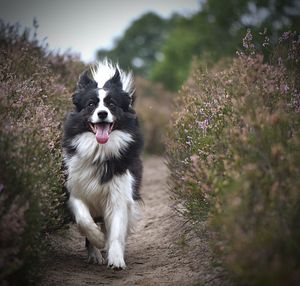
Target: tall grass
234,156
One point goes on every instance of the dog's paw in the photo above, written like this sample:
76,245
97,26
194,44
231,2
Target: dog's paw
117,265
95,256
116,258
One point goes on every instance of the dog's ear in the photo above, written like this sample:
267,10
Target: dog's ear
76,99
85,81
116,78
114,81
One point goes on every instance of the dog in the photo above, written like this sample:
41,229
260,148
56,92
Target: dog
102,144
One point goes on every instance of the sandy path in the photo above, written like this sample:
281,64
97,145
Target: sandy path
156,254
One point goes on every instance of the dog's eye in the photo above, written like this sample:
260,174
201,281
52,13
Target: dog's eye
91,104
112,104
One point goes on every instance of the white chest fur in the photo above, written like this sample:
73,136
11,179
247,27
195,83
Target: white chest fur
84,175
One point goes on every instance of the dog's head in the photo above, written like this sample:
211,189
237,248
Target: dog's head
105,99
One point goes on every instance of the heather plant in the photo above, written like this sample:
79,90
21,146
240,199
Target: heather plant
234,155
31,195
67,67
154,109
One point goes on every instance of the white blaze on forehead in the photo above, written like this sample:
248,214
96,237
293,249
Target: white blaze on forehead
105,70
101,107
101,95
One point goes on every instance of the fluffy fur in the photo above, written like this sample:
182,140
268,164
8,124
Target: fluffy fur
101,146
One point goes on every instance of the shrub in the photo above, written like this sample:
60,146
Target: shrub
67,68
234,155
153,105
31,194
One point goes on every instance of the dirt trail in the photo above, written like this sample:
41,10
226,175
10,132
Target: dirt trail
156,254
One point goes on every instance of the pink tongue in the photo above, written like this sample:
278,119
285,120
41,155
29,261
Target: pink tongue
102,133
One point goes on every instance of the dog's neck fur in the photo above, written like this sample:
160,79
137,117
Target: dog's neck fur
87,146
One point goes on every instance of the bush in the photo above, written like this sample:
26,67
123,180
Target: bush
234,156
31,195
153,105
67,68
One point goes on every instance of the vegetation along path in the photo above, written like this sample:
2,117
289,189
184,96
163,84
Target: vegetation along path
156,254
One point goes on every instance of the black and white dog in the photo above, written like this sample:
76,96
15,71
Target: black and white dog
101,148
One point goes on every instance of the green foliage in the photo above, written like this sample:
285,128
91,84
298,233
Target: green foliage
162,49
215,32
173,69
234,155
139,47
31,183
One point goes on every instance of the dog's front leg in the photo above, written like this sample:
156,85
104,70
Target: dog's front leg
116,218
85,222
117,221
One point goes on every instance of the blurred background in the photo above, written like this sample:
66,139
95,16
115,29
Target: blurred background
151,37
197,96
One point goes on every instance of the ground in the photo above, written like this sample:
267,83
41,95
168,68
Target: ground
158,253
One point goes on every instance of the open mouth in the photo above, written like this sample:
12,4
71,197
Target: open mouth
102,130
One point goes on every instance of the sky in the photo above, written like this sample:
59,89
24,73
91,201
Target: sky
87,25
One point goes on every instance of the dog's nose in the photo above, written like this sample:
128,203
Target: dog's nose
102,114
